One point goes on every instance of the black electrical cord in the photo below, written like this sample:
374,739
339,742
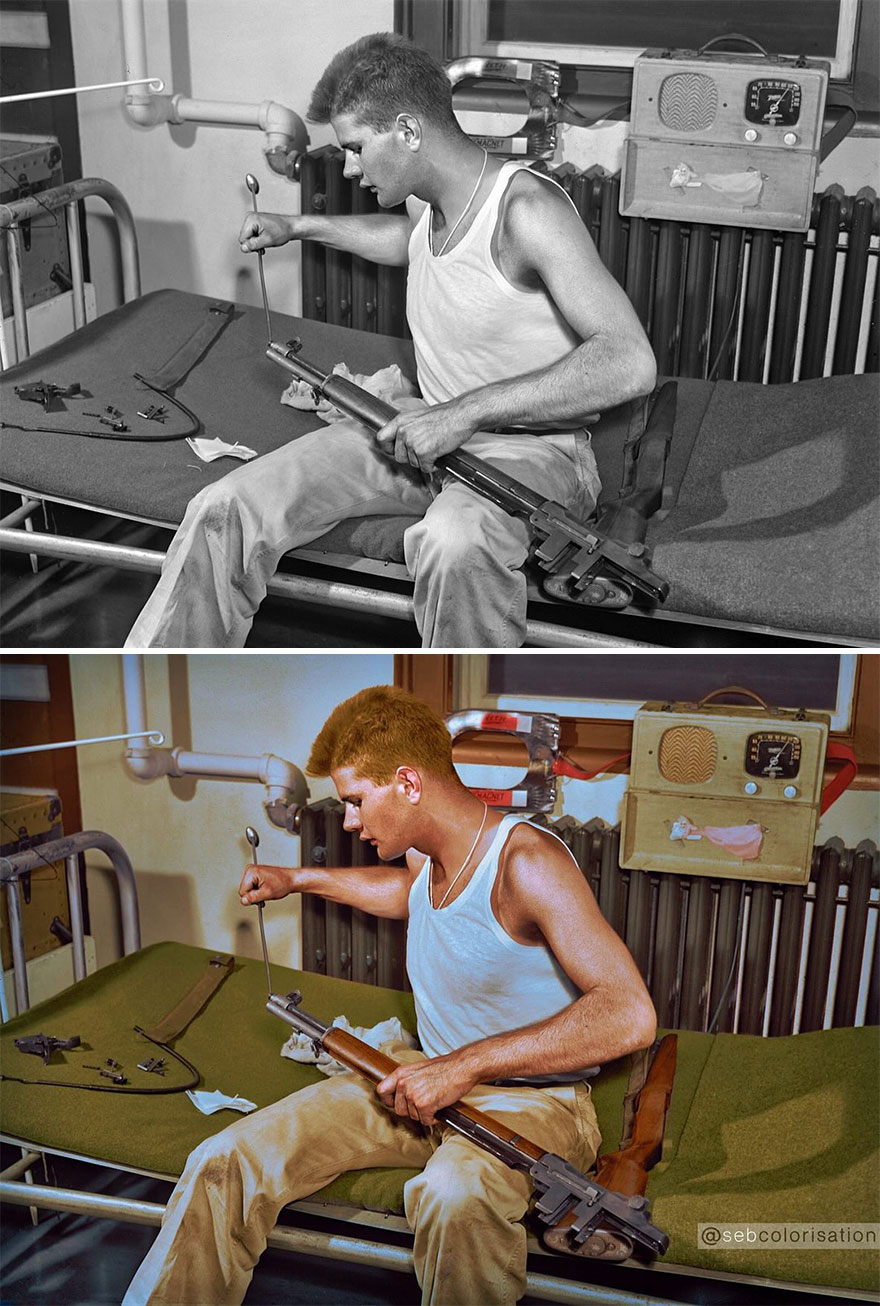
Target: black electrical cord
102,1088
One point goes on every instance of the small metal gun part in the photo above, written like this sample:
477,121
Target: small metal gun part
153,1065
153,413
47,394
43,1045
116,1075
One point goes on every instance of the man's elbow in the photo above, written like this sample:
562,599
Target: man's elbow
642,373
641,1025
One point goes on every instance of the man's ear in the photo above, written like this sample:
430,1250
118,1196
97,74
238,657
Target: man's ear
410,130
410,783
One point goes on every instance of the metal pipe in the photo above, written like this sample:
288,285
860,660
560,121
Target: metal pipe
11,868
16,935
284,130
19,515
301,589
286,788
34,206
76,266
20,326
77,927
155,84
24,1163
335,1247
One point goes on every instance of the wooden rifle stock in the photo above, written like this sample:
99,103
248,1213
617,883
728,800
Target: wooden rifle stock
626,1170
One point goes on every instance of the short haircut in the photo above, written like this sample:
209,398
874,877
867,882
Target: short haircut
378,730
380,76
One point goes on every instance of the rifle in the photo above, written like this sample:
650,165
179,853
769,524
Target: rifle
592,1214
583,565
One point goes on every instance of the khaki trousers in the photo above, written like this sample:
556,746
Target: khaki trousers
464,553
465,1207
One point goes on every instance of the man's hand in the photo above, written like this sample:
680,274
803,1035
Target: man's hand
420,438
420,1090
262,883
263,230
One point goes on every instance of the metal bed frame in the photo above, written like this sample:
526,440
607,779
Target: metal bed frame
355,1234
329,589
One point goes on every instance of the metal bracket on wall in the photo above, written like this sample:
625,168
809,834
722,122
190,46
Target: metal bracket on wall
539,731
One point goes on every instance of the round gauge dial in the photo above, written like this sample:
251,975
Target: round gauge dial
774,101
773,755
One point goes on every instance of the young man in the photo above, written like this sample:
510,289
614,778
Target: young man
521,989
520,335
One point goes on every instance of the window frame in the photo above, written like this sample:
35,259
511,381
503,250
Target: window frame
591,741
470,35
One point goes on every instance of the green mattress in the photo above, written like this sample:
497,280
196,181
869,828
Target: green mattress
759,1130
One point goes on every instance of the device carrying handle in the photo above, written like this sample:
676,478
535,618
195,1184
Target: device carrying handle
735,689
735,36
838,752
842,126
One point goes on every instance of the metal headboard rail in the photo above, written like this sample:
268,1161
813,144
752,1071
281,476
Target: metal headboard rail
68,848
68,196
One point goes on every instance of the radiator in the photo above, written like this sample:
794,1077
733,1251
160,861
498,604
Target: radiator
733,956
728,303
343,941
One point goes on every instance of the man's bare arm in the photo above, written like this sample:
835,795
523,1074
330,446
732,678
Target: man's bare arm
544,243
543,897
379,890
379,237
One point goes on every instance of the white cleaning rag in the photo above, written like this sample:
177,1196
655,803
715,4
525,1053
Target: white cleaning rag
299,1047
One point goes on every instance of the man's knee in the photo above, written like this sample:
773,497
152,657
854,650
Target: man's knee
457,531
455,1187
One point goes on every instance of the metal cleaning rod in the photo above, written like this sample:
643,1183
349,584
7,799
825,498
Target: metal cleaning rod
254,840
254,187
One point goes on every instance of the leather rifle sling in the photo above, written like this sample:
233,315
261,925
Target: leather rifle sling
192,1001
184,359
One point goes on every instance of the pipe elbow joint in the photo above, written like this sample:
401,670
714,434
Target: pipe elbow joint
285,131
146,764
149,110
286,791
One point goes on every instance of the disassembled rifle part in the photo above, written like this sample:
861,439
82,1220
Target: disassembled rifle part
584,566
43,1045
48,395
254,840
153,1065
115,1075
254,187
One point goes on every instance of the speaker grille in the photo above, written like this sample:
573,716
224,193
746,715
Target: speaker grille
688,755
688,102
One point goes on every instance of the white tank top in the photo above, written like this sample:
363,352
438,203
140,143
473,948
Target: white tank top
470,979
469,325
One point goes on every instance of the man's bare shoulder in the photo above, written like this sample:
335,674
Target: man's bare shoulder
533,857
530,197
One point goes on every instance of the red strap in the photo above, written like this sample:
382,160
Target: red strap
561,767
845,776
835,753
